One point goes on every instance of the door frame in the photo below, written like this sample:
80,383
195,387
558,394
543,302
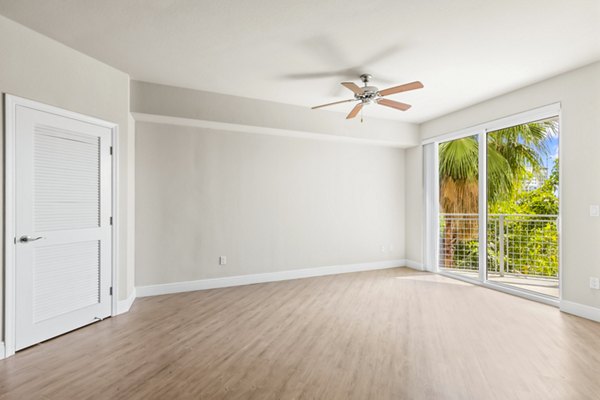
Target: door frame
481,131
10,106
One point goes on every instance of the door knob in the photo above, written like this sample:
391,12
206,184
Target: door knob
27,239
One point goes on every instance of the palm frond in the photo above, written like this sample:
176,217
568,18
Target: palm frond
459,158
513,152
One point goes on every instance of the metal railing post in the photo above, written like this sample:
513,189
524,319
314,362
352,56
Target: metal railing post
501,240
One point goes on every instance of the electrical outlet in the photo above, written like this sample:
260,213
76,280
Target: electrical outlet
383,248
594,283
595,210
222,260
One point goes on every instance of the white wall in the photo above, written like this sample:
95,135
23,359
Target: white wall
268,203
130,277
578,92
36,67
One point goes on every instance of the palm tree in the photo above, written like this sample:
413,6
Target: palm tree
511,153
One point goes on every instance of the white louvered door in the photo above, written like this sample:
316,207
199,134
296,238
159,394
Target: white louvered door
62,225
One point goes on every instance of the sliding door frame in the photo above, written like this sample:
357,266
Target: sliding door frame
482,212
481,131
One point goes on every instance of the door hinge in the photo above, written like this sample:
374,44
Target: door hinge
110,291
111,150
110,221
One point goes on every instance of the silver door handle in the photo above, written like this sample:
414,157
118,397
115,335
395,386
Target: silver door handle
27,239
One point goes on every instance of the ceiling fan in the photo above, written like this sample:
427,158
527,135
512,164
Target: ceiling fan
372,95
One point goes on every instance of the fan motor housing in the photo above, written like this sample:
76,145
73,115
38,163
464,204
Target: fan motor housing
368,89
369,95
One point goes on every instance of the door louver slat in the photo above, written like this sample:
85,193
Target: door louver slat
66,180
65,278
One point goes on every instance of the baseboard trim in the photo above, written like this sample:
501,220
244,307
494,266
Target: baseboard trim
414,265
580,310
2,351
123,306
215,283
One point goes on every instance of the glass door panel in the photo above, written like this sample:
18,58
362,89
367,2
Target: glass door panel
459,206
522,207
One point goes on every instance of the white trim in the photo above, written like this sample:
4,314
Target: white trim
16,100
230,127
123,306
10,105
560,205
9,226
483,204
414,265
214,283
2,353
580,310
116,220
535,114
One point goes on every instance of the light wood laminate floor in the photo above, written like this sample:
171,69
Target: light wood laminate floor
390,334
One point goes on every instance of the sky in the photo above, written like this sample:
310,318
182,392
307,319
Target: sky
552,153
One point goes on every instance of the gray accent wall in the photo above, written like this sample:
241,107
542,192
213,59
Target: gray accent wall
267,203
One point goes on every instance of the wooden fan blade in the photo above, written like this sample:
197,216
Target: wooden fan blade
394,104
331,104
355,111
402,88
352,86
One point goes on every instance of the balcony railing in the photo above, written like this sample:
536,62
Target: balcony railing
517,244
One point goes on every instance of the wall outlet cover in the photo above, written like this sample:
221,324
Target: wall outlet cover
594,283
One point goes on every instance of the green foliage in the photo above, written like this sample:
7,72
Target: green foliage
541,201
459,159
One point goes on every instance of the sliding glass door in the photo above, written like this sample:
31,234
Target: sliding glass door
523,207
498,206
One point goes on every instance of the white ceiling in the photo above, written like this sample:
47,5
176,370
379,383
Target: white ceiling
464,51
